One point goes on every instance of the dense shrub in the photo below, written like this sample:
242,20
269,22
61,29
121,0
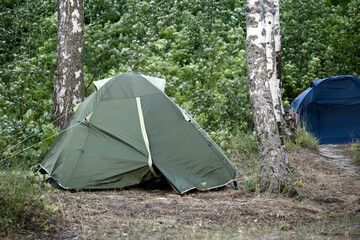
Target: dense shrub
22,203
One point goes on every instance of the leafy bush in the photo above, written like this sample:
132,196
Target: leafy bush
22,205
27,153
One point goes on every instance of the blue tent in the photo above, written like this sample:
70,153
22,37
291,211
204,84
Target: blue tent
330,109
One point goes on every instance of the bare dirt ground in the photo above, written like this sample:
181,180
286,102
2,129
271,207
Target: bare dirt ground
337,154
328,208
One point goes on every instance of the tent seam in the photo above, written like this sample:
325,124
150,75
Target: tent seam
145,137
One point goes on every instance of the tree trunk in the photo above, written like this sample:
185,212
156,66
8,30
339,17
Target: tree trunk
270,54
272,28
278,47
284,123
272,25
274,168
69,81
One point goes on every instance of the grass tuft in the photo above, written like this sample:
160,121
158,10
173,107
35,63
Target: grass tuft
302,139
355,149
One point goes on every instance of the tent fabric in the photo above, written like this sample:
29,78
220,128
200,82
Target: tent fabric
157,82
134,133
330,109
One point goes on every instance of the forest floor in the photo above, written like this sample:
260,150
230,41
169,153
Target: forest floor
328,207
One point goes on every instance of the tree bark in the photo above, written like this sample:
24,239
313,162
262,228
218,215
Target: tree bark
272,28
274,169
272,25
278,45
69,82
276,86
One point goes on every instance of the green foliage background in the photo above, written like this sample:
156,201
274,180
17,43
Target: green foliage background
198,46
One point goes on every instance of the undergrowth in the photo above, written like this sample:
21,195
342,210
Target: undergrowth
302,139
22,206
242,149
24,153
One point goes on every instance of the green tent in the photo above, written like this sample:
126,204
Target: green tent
130,131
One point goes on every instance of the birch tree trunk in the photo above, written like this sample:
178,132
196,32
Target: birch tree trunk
274,168
68,90
276,86
272,26
278,48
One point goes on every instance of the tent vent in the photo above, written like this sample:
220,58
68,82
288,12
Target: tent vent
89,117
76,107
186,117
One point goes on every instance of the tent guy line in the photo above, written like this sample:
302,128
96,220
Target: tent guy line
13,145
35,144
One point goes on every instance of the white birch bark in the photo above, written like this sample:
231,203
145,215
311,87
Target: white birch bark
277,84
272,26
277,37
273,59
274,168
68,90
270,54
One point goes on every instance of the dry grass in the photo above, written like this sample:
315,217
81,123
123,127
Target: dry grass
328,208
